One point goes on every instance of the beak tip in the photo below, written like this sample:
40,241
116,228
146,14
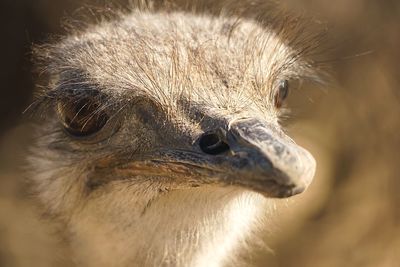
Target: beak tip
303,182
310,172
291,191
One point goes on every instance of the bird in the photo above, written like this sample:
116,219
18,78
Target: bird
159,141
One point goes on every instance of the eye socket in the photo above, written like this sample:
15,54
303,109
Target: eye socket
82,117
281,94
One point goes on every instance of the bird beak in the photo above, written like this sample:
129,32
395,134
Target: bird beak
266,160
260,158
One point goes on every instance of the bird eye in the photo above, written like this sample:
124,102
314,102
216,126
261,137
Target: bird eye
281,94
82,117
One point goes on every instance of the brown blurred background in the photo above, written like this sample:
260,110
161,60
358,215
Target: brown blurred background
351,214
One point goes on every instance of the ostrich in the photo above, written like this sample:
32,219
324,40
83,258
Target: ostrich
159,142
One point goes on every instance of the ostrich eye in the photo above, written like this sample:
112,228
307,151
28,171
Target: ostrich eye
281,94
82,117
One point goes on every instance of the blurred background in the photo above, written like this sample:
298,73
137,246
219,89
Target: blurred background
351,214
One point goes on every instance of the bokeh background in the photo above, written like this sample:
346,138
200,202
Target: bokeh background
351,214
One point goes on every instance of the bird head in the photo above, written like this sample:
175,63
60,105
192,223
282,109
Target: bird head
170,101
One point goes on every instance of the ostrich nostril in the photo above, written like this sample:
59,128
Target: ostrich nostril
211,143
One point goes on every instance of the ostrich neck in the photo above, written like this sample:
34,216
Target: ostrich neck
193,227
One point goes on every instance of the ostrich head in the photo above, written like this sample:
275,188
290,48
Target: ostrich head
161,140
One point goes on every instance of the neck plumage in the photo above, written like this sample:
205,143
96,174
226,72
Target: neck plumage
191,227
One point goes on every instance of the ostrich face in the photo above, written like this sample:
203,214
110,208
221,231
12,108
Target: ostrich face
169,102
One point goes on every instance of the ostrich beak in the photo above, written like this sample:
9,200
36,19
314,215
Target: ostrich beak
268,161
256,157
